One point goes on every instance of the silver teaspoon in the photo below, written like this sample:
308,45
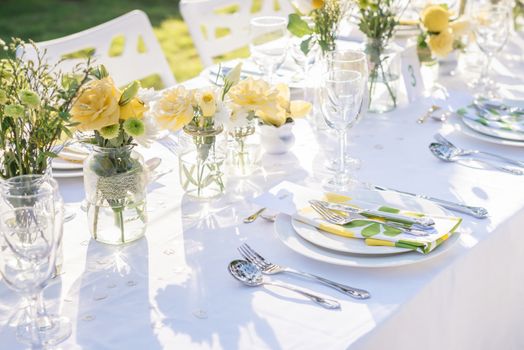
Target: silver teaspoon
250,275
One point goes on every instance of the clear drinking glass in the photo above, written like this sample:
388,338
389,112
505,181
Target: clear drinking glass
42,193
491,28
268,43
341,95
27,259
348,60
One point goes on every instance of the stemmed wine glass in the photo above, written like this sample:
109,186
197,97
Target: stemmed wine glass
268,43
349,60
341,95
491,28
38,193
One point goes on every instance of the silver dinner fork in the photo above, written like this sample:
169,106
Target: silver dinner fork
269,268
337,219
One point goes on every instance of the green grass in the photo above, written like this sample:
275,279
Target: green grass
49,19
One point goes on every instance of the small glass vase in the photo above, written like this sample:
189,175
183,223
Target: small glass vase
115,183
243,152
200,165
384,76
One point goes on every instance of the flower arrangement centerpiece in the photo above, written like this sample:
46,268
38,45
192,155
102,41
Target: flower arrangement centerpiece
113,122
200,113
317,21
251,100
378,20
35,104
440,35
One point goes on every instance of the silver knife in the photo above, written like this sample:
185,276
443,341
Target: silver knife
477,212
422,221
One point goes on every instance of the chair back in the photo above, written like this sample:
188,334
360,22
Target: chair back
126,45
221,26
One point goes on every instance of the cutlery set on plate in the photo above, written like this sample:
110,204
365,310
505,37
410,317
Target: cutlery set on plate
251,270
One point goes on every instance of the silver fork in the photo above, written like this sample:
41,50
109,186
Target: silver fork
337,219
269,268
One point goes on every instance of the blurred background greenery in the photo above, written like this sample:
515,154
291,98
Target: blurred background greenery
49,19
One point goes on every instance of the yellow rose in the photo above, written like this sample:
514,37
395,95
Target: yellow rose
435,18
206,100
317,4
256,96
441,44
96,105
460,27
174,110
286,108
133,109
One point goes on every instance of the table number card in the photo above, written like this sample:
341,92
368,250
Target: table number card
410,68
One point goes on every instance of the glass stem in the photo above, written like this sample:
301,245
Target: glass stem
36,341
485,70
42,317
341,156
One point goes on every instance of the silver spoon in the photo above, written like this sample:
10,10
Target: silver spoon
250,275
464,152
448,154
253,216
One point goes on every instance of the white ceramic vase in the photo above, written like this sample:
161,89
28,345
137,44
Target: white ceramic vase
277,140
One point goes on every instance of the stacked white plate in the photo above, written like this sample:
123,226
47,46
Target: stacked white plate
495,125
70,162
322,246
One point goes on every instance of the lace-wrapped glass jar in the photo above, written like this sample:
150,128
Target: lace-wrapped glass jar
115,182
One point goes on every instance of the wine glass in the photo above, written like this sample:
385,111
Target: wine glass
268,43
27,259
38,191
349,60
491,28
341,95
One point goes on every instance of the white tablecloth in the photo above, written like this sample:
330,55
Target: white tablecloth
172,290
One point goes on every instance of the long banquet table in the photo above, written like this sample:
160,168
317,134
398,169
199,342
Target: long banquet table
172,289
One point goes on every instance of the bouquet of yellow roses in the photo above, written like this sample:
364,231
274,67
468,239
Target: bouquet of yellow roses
440,35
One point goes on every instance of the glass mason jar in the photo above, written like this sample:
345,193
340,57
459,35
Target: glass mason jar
384,76
115,182
243,152
200,164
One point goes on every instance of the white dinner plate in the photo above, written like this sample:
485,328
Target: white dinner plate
494,132
341,244
62,164
466,130
287,234
61,174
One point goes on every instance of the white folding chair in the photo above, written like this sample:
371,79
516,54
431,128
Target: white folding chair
141,57
216,31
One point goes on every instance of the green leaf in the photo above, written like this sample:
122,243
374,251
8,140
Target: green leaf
391,231
389,210
297,26
129,93
305,46
371,230
357,223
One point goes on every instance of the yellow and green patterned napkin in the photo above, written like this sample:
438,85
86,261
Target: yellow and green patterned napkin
378,234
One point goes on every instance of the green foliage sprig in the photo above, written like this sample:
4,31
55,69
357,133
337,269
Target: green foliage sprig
378,20
323,28
35,100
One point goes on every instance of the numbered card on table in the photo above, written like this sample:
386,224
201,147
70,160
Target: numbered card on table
410,68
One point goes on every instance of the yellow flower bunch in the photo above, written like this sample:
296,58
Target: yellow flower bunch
443,35
256,98
101,104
